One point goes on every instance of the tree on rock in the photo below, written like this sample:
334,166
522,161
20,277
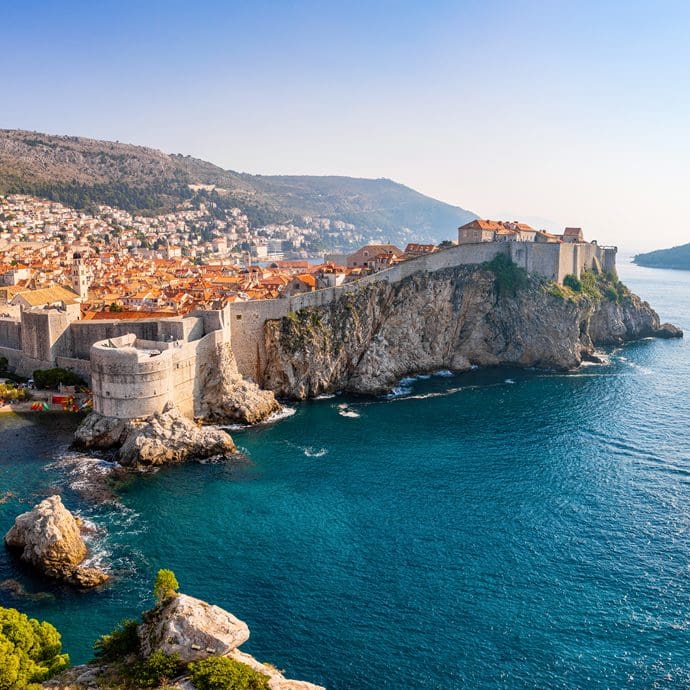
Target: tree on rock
30,652
165,586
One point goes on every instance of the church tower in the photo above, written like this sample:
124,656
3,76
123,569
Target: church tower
80,277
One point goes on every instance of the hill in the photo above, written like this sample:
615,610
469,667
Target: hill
675,257
82,172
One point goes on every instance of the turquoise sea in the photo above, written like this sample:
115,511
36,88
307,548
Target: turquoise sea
497,529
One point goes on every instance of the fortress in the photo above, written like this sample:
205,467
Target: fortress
135,367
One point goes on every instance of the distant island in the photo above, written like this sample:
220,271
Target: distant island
675,257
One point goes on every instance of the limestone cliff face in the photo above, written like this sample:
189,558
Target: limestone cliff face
614,323
453,318
227,397
49,539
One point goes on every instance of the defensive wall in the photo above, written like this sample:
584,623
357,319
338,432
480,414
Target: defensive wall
46,338
136,366
131,377
552,260
38,339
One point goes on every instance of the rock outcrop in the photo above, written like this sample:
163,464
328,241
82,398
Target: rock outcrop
186,626
613,323
49,539
191,628
227,397
196,630
101,432
453,318
169,437
163,438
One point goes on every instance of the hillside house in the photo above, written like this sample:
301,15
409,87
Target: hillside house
300,284
573,235
366,257
413,249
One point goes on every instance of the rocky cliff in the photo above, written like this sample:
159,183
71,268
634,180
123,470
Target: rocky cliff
163,438
49,539
227,397
452,318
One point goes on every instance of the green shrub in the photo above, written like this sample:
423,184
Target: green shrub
165,585
611,294
573,282
509,276
122,641
555,290
52,378
4,364
30,652
221,673
157,669
590,282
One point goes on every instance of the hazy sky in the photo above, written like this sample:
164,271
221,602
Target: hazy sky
574,111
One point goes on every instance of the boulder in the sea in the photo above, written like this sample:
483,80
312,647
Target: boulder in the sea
169,437
191,628
668,330
49,538
99,431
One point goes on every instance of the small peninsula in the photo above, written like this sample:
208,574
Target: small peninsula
674,257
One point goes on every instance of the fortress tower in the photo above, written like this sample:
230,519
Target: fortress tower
80,277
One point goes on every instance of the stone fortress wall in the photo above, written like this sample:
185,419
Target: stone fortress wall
132,378
137,374
137,366
552,260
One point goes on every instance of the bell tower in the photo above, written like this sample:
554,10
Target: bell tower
80,277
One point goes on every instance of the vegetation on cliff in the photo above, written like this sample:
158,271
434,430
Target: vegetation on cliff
591,285
30,651
510,278
165,586
674,257
220,673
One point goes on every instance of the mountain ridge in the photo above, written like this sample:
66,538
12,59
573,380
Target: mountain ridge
82,172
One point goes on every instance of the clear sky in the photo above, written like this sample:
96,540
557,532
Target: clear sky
575,111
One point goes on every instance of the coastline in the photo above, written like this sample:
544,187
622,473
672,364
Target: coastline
25,408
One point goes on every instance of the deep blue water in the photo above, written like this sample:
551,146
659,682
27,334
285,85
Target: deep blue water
498,529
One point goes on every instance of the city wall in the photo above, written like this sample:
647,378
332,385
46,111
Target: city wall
129,382
11,333
552,260
131,377
85,333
